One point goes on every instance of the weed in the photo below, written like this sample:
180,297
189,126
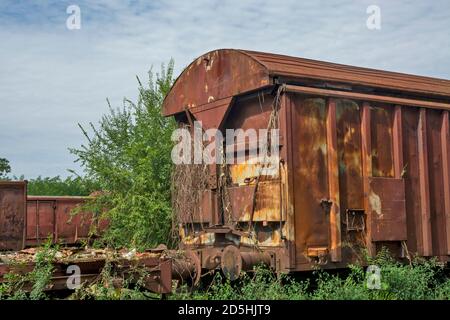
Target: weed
32,285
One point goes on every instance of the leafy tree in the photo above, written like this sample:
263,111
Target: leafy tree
128,154
5,168
56,186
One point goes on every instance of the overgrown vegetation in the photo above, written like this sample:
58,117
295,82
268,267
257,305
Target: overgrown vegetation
19,284
57,186
31,285
111,286
128,155
422,280
5,168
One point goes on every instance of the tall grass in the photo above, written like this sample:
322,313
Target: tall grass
420,280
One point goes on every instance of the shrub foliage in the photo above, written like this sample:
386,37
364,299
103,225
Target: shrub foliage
128,154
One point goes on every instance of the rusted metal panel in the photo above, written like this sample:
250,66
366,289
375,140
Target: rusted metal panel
350,174
366,153
424,184
349,152
445,143
208,209
225,73
69,227
287,177
282,65
410,148
333,183
241,201
267,204
387,208
32,222
12,214
40,221
250,113
436,183
413,102
310,173
216,75
397,141
212,114
54,217
381,141
241,173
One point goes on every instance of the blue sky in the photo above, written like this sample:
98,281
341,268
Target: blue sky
51,78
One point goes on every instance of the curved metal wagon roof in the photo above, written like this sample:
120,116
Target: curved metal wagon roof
224,73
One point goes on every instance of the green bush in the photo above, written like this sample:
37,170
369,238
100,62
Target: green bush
333,287
42,272
5,168
57,186
128,155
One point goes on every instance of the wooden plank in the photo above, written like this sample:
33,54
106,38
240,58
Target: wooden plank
366,151
445,141
333,183
368,97
397,142
424,184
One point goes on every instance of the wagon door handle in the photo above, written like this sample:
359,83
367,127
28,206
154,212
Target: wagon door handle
326,205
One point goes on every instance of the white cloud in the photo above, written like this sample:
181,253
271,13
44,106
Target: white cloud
51,78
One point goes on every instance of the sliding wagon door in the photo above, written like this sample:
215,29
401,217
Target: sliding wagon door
309,151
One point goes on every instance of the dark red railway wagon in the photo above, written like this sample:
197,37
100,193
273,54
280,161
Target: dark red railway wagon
364,160
54,217
13,208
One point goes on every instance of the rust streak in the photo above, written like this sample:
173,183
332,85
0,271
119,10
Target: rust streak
333,183
424,183
287,121
397,142
366,150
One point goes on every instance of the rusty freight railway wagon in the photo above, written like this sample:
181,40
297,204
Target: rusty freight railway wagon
364,160
27,221
363,163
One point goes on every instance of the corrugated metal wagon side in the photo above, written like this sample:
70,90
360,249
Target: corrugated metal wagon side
54,217
13,195
363,162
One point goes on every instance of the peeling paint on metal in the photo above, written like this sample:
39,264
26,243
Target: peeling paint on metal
375,203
